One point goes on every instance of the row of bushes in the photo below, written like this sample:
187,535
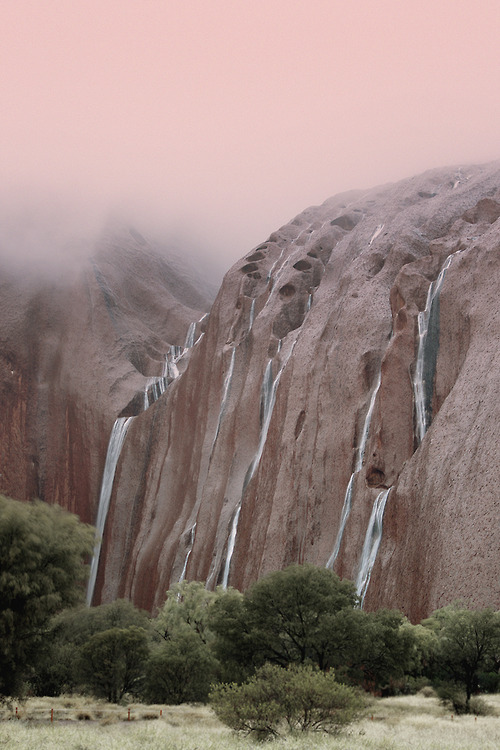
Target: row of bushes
303,616
300,616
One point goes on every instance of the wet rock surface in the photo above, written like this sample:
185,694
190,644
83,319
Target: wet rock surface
73,351
241,465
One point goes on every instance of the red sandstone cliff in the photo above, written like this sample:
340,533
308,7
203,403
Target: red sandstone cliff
73,353
340,287
243,464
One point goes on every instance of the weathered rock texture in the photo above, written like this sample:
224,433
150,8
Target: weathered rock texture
73,353
242,465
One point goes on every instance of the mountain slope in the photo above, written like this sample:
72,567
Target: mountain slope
74,350
297,410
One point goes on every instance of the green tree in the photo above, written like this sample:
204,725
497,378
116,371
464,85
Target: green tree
467,643
180,670
69,631
233,644
277,699
183,665
42,571
383,650
289,616
112,662
186,609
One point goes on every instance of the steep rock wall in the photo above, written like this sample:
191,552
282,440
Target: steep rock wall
74,350
242,465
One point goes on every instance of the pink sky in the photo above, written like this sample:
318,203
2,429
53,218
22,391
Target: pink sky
225,118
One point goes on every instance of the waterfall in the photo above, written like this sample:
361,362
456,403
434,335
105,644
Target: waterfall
376,233
230,546
175,353
225,394
267,400
271,270
189,550
156,387
428,331
153,389
371,544
190,336
171,369
346,508
118,434
252,315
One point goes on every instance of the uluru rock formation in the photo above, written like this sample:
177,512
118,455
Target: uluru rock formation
75,349
337,406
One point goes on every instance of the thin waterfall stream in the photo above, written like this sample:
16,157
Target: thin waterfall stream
153,390
116,440
371,544
428,332
346,508
225,394
267,400
192,534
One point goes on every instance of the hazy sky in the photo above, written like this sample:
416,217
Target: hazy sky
225,118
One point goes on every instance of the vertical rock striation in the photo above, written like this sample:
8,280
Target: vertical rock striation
304,398
244,465
74,351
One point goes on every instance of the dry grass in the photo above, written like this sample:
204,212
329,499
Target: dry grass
413,723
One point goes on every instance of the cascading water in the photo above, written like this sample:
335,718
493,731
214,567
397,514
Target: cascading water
252,315
230,546
116,440
225,394
190,336
371,544
267,400
428,339
376,233
346,508
157,386
189,550
271,270
152,392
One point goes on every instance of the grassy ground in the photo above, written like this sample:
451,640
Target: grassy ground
413,723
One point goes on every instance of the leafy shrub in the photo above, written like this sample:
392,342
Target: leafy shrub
428,691
455,698
489,682
479,707
112,662
277,699
42,549
180,670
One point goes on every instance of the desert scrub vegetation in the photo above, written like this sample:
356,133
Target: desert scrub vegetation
278,701
399,723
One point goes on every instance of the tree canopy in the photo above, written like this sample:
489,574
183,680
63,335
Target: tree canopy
42,571
288,616
466,644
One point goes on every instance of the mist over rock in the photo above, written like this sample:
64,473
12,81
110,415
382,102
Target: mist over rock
75,348
337,406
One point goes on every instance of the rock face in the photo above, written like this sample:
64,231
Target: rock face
73,353
315,419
